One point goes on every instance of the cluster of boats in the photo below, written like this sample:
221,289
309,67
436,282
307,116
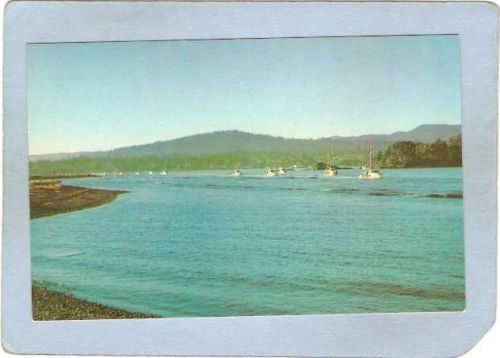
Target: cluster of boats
163,172
367,172
120,173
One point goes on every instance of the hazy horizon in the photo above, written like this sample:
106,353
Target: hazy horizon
101,96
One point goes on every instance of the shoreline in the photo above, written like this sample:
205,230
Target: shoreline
49,305
61,176
156,172
49,198
52,198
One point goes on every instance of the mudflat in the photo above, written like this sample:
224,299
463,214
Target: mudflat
51,198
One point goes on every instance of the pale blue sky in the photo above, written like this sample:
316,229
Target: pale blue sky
96,96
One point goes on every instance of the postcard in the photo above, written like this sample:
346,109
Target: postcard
248,184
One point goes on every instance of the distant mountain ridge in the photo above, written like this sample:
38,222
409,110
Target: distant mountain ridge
237,141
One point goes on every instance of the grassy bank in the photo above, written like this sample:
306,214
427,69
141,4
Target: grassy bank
50,306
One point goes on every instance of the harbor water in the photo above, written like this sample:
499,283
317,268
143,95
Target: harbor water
199,244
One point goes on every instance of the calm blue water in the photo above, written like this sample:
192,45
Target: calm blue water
207,244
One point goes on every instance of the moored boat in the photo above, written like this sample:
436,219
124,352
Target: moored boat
269,173
330,170
368,172
280,170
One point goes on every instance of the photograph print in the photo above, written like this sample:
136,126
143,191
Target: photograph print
245,177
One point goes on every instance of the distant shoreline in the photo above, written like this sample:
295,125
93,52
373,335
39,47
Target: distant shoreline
61,176
175,170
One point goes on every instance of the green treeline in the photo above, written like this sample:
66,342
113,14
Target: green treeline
403,154
410,154
228,161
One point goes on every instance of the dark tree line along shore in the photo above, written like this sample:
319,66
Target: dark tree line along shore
412,154
401,154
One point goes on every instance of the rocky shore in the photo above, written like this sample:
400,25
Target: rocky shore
50,306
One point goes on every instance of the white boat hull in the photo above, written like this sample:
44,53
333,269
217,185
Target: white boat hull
330,173
370,175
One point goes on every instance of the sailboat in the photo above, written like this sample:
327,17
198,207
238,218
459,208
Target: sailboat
269,172
330,171
280,170
236,173
368,172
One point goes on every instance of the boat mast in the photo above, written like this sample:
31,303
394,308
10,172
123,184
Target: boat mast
329,157
370,153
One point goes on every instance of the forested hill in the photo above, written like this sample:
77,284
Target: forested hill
410,154
236,141
402,154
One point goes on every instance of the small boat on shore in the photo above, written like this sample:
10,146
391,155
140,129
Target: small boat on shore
236,173
164,172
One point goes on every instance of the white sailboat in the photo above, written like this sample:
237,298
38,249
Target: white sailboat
369,172
269,173
330,170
